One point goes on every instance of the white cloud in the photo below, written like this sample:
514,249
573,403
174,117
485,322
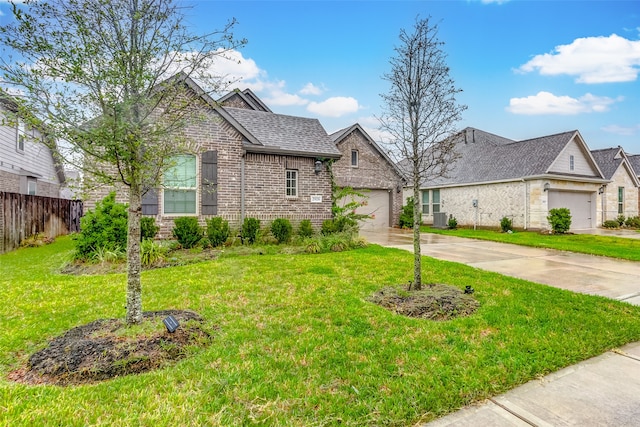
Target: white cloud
310,89
622,130
548,103
591,60
334,107
281,98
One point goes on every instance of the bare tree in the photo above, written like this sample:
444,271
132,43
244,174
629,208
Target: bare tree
96,74
420,116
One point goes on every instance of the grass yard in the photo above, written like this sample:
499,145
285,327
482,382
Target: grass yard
615,247
295,343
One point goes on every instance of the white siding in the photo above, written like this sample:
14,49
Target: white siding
581,163
36,158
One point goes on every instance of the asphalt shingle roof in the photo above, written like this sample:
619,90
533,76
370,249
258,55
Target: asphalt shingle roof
635,163
284,133
606,160
485,157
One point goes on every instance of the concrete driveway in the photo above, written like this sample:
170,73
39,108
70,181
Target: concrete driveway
589,274
602,391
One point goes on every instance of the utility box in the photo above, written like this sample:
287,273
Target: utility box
440,220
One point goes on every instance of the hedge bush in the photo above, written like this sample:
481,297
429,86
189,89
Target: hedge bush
187,231
103,229
281,229
560,220
305,229
217,231
250,229
506,224
148,228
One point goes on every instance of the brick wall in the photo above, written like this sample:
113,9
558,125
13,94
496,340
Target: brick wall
373,170
264,180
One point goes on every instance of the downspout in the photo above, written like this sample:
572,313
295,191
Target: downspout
526,205
242,188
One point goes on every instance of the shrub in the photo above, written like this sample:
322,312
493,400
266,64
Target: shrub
281,229
633,222
560,220
620,220
148,228
453,223
151,252
217,231
104,228
611,223
187,231
406,216
329,226
506,224
306,229
250,229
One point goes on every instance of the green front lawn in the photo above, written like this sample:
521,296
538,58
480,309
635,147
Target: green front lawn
615,247
295,342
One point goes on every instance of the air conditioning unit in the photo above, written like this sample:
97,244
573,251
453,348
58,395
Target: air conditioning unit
440,220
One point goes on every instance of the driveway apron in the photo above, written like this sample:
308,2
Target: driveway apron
589,274
601,391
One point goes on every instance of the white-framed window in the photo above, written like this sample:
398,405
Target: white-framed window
180,185
354,158
621,200
21,136
32,186
425,202
291,183
435,201
571,162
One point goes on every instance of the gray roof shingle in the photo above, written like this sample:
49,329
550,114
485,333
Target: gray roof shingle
635,163
286,134
607,161
485,157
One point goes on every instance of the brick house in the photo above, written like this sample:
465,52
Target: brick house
497,177
249,162
620,195
365,166
27,164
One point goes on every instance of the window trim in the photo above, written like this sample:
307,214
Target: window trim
32,182
355,155
425,205
21,136
193,189
435,207
572,163
621,200
291,175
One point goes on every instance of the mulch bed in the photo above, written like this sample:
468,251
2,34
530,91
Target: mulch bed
433,302
97,352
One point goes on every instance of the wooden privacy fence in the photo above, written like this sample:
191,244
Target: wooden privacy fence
23,216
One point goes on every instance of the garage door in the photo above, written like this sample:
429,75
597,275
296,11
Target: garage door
378,207
578,203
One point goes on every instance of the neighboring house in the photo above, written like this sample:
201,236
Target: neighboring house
620,195
249,162
635,163
496,177
27,165
365,167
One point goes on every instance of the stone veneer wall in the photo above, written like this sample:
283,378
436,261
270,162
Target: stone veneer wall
524,202
373,171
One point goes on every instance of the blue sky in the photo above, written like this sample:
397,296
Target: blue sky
526,68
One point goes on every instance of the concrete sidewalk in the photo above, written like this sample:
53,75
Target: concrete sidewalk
602,391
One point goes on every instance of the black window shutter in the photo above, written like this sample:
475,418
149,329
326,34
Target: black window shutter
210,183
150,202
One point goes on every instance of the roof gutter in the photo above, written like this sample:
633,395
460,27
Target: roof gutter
247,148
521,179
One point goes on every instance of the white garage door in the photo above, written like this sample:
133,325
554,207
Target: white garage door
378,207
578,203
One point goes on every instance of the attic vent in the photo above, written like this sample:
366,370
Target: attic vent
473,136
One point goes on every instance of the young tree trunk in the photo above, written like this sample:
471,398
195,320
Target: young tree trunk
417,255
134,286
